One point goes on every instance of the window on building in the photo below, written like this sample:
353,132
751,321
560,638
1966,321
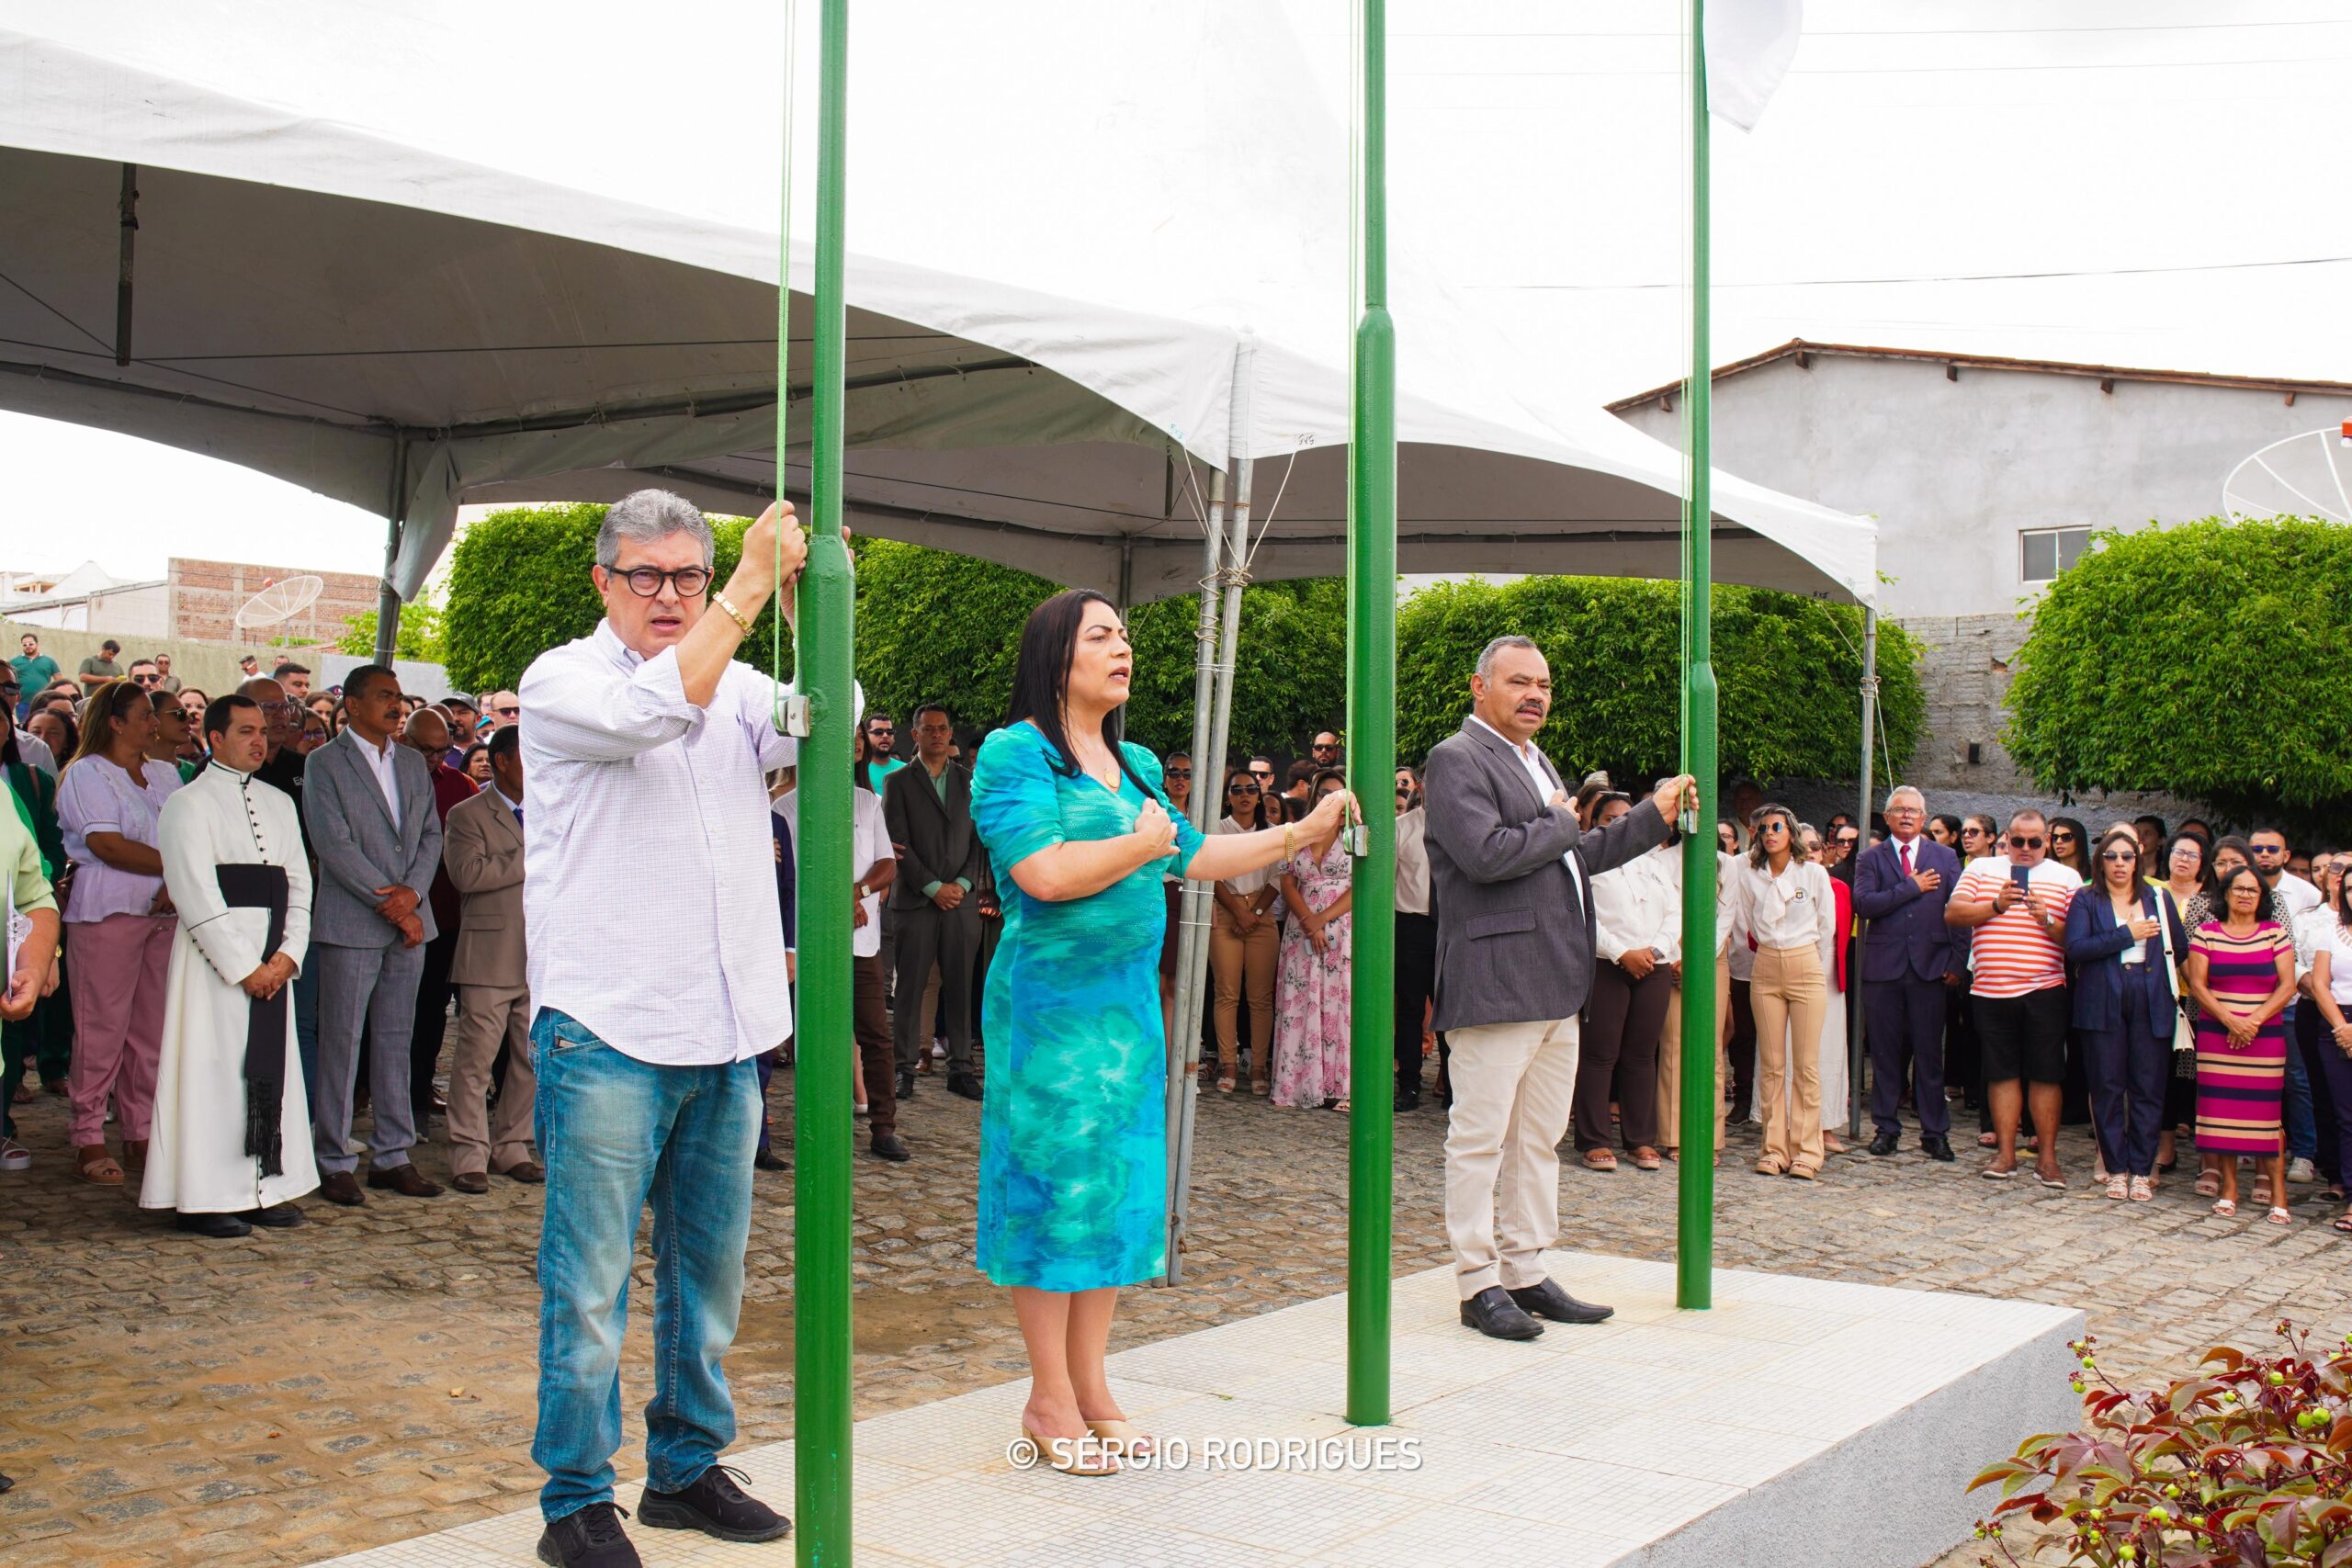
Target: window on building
2043,553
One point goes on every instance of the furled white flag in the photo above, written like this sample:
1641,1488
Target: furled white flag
1749,45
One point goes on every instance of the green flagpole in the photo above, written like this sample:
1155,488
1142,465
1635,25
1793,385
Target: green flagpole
1694,1243
821,1122
1371,749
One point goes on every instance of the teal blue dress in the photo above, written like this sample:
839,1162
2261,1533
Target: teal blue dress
1074,1125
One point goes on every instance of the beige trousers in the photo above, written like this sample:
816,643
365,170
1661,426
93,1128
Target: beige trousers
1790,997
1513,1084
1669,1062
485,1015
1244,966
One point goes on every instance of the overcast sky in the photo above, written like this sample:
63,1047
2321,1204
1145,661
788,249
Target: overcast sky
2167,176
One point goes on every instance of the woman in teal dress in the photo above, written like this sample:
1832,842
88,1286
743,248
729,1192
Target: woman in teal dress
1073,1198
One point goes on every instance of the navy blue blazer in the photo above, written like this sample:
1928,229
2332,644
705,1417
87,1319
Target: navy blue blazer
1907,934
2095,945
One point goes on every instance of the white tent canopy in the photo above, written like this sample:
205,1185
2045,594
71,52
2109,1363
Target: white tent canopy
1049,302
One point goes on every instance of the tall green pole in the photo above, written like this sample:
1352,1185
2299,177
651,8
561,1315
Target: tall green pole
1694,1241
822,1122
1372,751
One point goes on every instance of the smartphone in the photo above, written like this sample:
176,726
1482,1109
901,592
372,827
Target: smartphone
2023,878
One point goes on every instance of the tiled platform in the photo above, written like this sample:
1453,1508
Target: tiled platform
1799,1421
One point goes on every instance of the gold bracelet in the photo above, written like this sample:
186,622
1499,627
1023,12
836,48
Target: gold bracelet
724,602
1287,850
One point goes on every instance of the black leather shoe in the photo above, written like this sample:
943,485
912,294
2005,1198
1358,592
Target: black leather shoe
716,1505
220,1227
906,1083
340,1187
1492,1312
766,1160
473,1183
965,1084
1883,1145
1937,1147
277,1217
1547,1300
592,1538
1407,1099
886,1145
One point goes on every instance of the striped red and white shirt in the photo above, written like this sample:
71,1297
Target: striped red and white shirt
2013,955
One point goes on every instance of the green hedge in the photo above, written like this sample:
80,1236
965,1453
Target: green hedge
2212,660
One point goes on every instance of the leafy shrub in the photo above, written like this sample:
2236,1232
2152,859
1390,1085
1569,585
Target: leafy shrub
2248,1465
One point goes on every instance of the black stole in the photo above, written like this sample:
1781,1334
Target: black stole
263,887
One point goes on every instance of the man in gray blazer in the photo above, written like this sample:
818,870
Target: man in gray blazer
928,807
1510,872
482,849
367,802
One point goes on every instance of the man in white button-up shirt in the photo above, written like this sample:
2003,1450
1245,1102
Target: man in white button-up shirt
657,965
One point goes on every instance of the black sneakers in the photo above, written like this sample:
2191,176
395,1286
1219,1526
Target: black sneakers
714,1505
590,1537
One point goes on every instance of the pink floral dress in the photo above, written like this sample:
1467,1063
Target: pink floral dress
1311,988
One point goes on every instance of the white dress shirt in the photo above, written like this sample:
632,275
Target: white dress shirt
1796,909
649,879
2298,895
1639,905
383,764
1248,883
869,847
1533,760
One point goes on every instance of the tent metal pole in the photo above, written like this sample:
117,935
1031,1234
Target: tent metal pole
1855,1015
821,1098
1208,786
1694,1236
1192,904
1371,750
388,599
123,269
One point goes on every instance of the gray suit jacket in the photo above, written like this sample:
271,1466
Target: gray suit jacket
936,841
360,848
1514,940
482,849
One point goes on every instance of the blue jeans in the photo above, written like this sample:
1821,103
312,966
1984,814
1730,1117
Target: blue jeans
2302,1127
614,1133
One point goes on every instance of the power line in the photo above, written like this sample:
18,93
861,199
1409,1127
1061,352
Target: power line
1915,70
1934,32
1944,278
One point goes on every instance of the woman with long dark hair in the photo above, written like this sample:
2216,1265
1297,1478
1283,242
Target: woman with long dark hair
2070,846
2125,1008
1073,1123
1243,944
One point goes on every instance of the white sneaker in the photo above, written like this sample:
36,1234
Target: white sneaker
14,1155
939,1054
2300,1173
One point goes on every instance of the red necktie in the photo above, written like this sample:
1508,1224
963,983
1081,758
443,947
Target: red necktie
1906,860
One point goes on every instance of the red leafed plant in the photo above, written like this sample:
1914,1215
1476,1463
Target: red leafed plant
2248,1465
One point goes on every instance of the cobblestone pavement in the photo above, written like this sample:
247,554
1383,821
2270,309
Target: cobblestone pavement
166,1400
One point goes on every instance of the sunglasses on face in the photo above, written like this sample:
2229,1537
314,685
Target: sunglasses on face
2019,840
1320,746
1242,789
2118,857
1180,773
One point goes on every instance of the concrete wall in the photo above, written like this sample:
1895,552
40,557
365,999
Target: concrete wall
1954,470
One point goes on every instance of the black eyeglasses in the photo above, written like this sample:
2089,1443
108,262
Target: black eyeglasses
1242,789
506,712
645,581
2118,857
2019,841
1178,772
2062,837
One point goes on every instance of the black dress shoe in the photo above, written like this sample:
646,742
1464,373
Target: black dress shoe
342,1187
765,1160
471,1182
886,1145
406,1180
1493,1314
277,1217
1547,1300
1408,1099
1937,1147
965,1084
592,1538
221,1227
1883,1145
906,1083
715,1505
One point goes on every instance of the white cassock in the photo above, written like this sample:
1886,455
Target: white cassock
196,1161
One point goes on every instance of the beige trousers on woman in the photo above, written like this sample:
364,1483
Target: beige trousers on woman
1789,995
1244,966
1669,1062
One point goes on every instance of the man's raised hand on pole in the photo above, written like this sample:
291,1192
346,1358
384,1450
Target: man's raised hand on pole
1675,796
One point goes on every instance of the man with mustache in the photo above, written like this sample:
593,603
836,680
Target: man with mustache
1512,872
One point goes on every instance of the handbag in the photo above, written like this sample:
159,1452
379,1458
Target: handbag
2184,1032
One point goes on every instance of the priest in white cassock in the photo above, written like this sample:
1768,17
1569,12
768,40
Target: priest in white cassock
230,1146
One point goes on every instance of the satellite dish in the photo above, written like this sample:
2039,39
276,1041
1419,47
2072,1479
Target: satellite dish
281,601
2304,476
